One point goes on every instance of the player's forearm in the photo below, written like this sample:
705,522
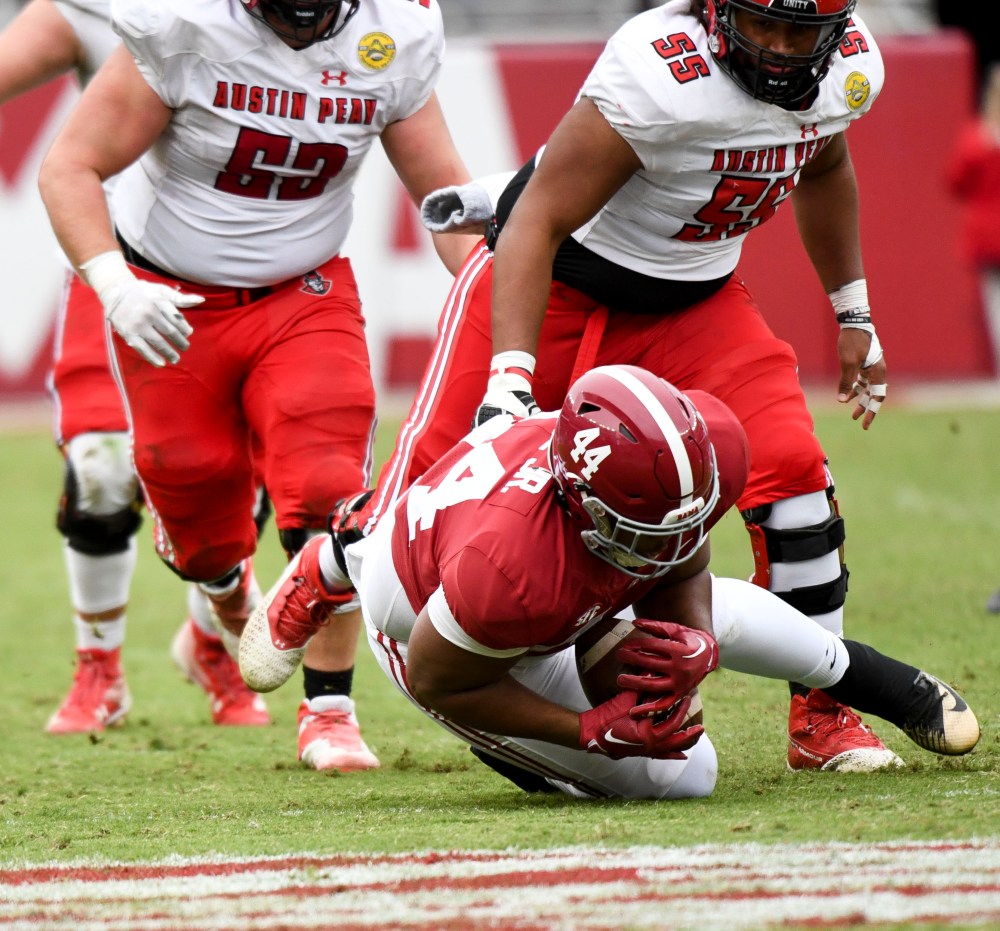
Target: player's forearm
77,208
827,212
522,279
508,708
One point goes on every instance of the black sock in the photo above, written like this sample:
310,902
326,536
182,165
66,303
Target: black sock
797,688
876,684
319,683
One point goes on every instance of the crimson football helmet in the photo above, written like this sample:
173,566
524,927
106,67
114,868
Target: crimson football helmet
635,466
304,22
785,80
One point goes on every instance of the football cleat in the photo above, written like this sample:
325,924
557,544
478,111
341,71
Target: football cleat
204,661
329,735
298,604
941,721
98,698
348,525
826,735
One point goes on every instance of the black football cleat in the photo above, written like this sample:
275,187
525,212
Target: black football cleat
940,719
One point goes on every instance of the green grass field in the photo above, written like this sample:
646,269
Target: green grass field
921,495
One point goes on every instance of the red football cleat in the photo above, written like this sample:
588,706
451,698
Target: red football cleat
824,734
98,698
204,660
329,735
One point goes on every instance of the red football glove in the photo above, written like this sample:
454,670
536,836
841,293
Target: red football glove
612,729
670,663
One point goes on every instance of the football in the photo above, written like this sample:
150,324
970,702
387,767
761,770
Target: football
599,668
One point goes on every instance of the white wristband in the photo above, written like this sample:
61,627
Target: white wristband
850,303
104,270
513,359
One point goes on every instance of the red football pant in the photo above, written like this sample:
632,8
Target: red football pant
290,370
86,397
721,345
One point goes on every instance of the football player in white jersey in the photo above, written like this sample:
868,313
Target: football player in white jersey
99,508
239,128
699,118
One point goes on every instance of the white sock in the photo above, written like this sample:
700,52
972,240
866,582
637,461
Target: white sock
99,635
99,583
760,634
200,611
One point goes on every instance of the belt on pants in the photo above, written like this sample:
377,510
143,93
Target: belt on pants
215,296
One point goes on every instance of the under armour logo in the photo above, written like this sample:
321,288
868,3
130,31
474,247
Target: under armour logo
329,77
808,129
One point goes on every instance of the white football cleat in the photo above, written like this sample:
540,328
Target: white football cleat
298,604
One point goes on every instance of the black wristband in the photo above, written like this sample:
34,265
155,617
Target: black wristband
847,317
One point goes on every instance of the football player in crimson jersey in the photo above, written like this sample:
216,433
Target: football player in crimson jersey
529,535
99,509
620,243
227,301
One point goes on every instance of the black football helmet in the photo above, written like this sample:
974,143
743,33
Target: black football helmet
785,80
635,468
303,22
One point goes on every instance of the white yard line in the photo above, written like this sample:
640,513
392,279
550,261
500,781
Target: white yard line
725,887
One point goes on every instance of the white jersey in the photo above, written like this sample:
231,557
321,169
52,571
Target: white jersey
91,21
716,162
251,183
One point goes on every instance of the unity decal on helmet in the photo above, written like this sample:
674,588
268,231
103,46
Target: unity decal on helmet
856,89
376,51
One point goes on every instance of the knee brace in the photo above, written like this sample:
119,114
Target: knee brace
99,510
788,551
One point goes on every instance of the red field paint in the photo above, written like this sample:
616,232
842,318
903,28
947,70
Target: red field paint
727,887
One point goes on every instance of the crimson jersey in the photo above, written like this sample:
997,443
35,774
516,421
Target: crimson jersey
485,529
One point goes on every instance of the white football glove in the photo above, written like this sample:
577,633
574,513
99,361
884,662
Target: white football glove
145,314
509,389
454,209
